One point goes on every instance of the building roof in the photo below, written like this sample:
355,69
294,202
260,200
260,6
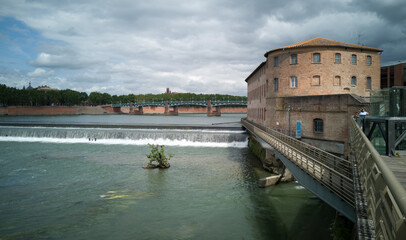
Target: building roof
256,70
322,42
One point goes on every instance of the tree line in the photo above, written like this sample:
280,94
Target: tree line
10,96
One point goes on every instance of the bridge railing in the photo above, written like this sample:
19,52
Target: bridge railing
386,197
180,103
333,172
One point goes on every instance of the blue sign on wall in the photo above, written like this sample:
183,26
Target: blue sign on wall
298,129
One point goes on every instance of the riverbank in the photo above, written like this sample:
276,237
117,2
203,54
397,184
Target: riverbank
98,110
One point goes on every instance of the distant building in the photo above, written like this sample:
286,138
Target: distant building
29,86
46,88
393,75
168,91
313,86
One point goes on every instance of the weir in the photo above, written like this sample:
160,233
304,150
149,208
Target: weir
171,137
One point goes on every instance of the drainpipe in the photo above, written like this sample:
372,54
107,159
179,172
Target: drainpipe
288,120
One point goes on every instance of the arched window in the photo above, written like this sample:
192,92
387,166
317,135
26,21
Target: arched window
337,58
316,58
354,59
369,60
318,125
353,80
337,81
316,80
368,83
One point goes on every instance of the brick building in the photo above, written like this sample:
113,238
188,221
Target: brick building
393,75
314,86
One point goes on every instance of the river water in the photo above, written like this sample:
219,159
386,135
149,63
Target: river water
88,183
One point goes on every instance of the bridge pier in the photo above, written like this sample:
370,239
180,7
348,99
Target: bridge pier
140,111
117,109
168,112
216,112
131,108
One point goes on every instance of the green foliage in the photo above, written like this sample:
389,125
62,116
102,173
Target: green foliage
158,155
20,97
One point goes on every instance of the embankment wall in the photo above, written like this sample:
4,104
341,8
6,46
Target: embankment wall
77,110
56,110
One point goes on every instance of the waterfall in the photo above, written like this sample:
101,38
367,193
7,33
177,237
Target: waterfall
126,136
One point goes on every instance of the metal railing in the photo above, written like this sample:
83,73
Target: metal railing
386,197
183,103
331,171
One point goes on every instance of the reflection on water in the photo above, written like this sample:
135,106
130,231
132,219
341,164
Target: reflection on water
90,191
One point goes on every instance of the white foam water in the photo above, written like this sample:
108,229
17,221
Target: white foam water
139,142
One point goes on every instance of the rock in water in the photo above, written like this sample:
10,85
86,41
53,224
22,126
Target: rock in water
150,166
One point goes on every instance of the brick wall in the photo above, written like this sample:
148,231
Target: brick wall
334,78
333,110
257,86
45,110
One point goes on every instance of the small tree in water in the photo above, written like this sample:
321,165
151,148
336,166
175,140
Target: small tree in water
158,155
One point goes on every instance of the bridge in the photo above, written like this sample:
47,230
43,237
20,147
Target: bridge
362,188
171,107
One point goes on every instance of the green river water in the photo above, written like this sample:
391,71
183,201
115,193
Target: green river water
58,189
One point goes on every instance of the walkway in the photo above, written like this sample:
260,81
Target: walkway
398,166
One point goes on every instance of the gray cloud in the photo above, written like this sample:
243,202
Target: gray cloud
206,46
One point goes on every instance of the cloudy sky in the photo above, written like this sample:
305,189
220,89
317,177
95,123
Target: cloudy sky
202,46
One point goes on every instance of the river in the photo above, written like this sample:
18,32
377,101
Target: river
88,183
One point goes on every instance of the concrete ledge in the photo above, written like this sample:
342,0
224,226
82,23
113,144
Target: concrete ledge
268,181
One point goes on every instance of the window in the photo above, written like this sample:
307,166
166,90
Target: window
318,125
275,62
337,81
337,58
368,83
369,60
354,81
316,57
354,59
293,82
316,80
293,59
276,84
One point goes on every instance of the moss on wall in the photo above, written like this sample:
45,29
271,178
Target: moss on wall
256,148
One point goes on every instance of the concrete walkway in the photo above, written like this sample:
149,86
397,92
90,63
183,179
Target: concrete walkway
398,167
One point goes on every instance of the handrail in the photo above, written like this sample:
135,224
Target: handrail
332,172
385,195
329,159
